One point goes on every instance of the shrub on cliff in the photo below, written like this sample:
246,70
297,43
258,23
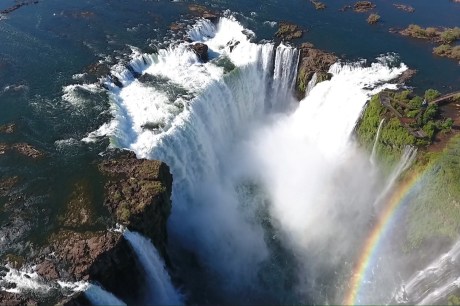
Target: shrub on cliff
432,94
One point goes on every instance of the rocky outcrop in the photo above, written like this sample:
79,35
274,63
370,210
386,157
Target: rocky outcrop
201,50
363,6
8,128
14,299
138,195
312,61
18,5
203,12
289,31
406,75
103,257
80,211
23,149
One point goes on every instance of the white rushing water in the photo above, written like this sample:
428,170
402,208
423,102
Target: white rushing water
99,296
229,124
374,147
160,288
24,280
436,282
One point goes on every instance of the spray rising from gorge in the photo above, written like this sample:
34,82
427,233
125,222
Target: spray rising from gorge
255,176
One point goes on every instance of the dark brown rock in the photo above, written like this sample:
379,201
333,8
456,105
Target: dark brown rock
7,184
27,150
289,31
406,75
176,26
104,257
47,270
14,299
201,50
312,61
204,12
138,195
98,70
8,128
363,6
18,5
79,208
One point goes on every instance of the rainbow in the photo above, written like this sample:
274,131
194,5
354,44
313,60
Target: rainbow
372,244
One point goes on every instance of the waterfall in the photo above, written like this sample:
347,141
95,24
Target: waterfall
404,163
311,84
285,73
160,288
435,282
374,147
98,296
228,124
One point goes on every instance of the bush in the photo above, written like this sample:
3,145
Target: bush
430,113
431,94
431,32
442,50
416,102
455,53
416,29
450,35
447,125
429,129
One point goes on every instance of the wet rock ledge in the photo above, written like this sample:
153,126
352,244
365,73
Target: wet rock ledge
137,195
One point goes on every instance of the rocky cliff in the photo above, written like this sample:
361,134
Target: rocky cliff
137,194
312,61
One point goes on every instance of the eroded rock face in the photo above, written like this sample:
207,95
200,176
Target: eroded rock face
312,61
138,195
201,50
104,257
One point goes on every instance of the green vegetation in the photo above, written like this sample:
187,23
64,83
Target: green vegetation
373,18
448,51
435,210
453,300
407,122
446,37
393,137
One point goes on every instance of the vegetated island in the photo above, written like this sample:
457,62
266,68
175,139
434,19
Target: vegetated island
444,37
